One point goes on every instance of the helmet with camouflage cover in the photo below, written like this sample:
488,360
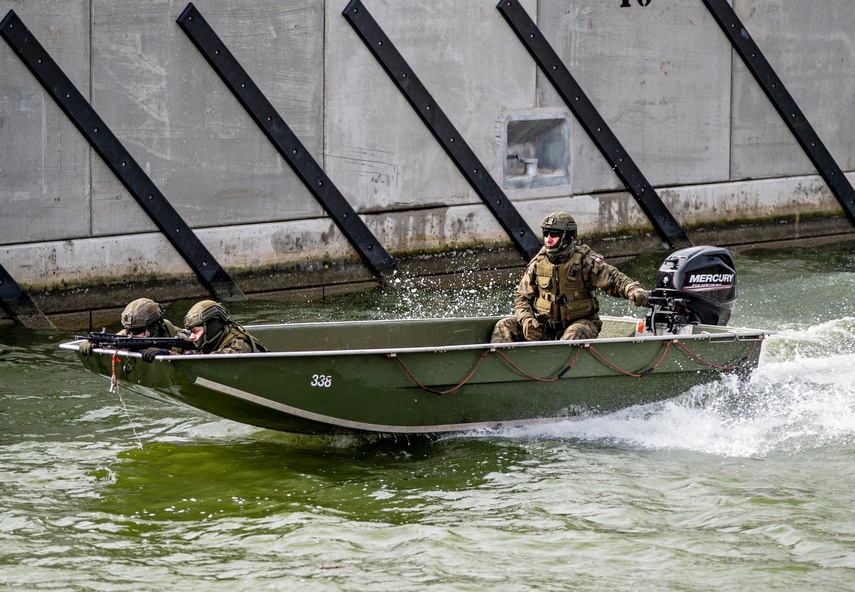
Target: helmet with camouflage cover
560,222
212,317
141,314
201,312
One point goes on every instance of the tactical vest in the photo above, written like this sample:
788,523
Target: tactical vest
561,293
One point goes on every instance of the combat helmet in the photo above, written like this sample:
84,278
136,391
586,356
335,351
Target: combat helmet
565,224
142,314
211,316
203,311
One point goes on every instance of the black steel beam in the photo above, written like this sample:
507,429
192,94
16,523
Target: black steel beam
784,103
590,119
19,304
442,129
120,161
286,142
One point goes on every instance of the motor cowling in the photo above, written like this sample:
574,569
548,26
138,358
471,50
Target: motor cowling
694,285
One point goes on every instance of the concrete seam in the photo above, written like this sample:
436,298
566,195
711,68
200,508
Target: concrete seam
324,136
91,102
732,109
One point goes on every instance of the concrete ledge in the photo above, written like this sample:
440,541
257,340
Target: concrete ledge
82,281
99,304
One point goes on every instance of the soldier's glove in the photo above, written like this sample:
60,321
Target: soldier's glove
639,297
149,353
532,329
86,348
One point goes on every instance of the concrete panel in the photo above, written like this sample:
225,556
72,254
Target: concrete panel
44,161
813,52
660,77
660,74
184,127
380,153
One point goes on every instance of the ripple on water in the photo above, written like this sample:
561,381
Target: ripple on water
735,485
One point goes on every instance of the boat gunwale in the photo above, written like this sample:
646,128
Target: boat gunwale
730,335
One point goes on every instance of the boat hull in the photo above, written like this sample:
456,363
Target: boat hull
423,377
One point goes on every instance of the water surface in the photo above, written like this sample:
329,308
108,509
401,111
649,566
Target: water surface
731,486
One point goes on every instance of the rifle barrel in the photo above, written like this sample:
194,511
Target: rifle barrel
126,342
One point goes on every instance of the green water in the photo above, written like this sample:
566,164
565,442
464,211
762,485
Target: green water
732,486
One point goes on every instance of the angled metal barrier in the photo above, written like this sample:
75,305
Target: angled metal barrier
784,103
586,113
120,161
19,304
442,129
286,142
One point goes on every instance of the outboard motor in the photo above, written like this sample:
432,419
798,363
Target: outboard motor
694,285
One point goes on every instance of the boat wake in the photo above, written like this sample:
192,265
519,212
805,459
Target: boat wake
802,396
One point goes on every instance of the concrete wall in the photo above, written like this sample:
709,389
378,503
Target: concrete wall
662,75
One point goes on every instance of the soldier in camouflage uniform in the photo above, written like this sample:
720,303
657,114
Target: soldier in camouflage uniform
214,333
141,318
556,297
211,331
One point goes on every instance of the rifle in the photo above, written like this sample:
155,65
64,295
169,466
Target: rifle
136,344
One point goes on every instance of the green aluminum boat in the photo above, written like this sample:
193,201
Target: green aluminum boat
434,376
430,376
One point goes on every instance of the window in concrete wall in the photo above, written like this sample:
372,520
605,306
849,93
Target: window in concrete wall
537,151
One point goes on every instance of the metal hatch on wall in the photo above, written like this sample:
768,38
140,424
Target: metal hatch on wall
537,152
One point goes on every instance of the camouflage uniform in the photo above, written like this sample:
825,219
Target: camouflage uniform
543,311
235,340
142,315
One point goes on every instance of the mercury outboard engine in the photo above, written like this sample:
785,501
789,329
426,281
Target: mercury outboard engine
694,285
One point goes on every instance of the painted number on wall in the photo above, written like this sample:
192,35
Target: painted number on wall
321,380
627,3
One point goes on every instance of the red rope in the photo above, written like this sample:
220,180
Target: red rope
472,373
579,348
114,388
434,391
716,366
553,379
114,382
627,372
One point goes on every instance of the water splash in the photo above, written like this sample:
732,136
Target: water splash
835,337
411,298
802,396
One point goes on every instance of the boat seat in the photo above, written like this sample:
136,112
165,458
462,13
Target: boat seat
613,328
